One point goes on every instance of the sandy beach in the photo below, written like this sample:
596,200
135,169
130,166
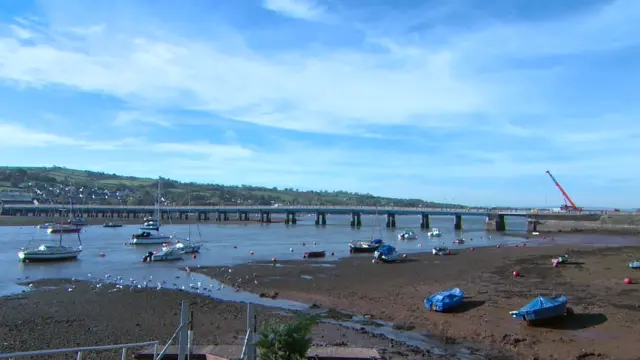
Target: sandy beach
607,310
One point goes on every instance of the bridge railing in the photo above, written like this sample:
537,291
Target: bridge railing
81,350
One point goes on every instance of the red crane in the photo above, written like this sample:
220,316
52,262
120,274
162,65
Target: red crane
569,205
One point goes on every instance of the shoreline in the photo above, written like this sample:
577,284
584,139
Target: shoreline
395,292
550,227
100,308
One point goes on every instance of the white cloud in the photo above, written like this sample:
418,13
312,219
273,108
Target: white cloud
21,32
17,136
131,117
302,9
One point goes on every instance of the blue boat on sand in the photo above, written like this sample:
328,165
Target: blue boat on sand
444,300
635,265
542,308
386,253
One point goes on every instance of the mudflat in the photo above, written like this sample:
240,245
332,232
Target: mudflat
66,314
607,311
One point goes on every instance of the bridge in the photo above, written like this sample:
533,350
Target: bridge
495,219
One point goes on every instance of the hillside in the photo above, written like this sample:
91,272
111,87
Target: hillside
61,185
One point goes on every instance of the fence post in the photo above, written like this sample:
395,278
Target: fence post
251,347
183,342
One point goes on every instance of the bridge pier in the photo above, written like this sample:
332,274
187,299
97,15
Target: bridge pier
391,220
265,217
356,219
290,218
222,216
425,223
243,216
532,225
321,218
458,223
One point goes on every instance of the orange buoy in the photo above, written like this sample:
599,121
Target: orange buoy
628,281
516,274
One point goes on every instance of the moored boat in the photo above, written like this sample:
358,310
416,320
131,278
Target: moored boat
112,225
386,253
444,300
542,308
147,238
408,234
435,232
166,254
635,265
64,229
440,251
150,224
51,252
458,241
365,246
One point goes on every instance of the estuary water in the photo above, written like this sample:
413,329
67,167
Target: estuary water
226,245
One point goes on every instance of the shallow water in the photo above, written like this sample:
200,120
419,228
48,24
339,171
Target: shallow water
225,245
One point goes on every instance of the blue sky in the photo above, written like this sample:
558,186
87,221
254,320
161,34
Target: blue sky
451,100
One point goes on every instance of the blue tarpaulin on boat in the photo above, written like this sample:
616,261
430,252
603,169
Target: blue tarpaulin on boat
542,308
376,241
444,300
386,250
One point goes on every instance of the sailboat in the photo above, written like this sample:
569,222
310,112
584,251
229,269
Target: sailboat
185,245
73,225
150,232
51,252
370,246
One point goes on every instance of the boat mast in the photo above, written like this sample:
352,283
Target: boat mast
158,214
189,212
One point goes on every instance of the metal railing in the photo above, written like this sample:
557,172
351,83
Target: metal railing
81,350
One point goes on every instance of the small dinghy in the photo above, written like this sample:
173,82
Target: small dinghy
560,259
440,251
458,241
444,300
365,246
635,265
315,254
542,308
386,253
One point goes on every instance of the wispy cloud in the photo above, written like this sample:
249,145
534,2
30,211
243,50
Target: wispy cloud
302,9
469,98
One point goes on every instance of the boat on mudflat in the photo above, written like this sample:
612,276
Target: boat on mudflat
386,253
315,254
635,265
408,234
444,300
542,308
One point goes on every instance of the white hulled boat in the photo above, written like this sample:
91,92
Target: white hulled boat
148,238
51,252
407,234
64,229
167,254
435,232
186,246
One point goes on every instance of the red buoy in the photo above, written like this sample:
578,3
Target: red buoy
516,245
628,281
524,244
473,249
516,274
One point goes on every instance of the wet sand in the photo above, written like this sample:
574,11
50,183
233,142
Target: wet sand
53,317
607,310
